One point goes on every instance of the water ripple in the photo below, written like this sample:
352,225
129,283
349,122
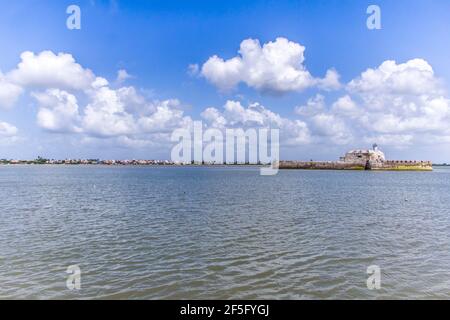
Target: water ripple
222,233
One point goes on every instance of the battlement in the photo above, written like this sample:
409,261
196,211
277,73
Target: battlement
409,162
408,165
321,165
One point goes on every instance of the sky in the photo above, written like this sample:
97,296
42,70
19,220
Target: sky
138,70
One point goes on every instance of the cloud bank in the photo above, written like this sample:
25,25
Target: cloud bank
395,104
276,67
58,84
398,104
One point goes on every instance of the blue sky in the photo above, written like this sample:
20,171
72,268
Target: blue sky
156,41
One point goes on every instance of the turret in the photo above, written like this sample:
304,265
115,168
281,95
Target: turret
375,147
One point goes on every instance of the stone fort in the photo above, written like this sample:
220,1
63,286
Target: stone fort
361,159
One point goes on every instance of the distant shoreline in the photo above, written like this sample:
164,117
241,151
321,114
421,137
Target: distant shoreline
150,165
111,162
130,165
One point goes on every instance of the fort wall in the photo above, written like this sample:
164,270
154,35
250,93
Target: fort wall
388,165
360,159
409,165
321,165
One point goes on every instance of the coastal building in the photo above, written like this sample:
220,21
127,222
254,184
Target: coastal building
373,155
361,159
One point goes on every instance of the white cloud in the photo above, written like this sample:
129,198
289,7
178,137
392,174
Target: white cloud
123,112
214,118
345,106
165,117
254,115
234,115
403,98
134,102
396,140
7,130
223,74
295,132
274,67
330,82
414,77
9,134
331,127
394,104
193,70
313,106
105,115
99,82
72,99
9,92
59,83
48,70
122,76
58,111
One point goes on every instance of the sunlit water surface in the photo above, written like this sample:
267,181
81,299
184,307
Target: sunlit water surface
222,233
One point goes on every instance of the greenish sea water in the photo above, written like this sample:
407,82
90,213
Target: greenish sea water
222,233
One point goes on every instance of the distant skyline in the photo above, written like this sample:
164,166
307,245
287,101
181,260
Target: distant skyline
136,71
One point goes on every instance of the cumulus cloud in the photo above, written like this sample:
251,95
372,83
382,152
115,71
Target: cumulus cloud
235,115
325,124
9,92
165,116
276,66
396,140
45,70
393,104
346,107
105,114
7,130
50,70
414,77
312,107
58,111
122,76
58,83
193,70
403,98
8,134
330,82
332,128
123,112
214,117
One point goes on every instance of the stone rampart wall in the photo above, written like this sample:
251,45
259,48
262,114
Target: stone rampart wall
343,165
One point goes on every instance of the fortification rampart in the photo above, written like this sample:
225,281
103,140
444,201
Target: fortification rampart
361,159
404,165
321,165
394,165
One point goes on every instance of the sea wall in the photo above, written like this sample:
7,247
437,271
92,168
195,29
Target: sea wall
321,165
392,165
404,165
